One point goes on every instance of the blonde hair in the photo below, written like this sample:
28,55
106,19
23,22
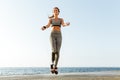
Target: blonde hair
53,15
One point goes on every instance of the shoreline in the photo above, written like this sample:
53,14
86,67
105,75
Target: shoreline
109,75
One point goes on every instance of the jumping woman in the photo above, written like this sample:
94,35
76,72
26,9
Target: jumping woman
55,37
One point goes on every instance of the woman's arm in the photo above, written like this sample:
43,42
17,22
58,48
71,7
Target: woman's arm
65,24
47,26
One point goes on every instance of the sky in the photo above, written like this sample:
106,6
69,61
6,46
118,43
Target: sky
91,40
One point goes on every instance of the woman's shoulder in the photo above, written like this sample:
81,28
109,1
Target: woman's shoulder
50,19
53,18
60,18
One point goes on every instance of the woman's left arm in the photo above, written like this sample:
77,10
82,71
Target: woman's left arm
65,24
47,26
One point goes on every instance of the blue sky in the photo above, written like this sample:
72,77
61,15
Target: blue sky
92,39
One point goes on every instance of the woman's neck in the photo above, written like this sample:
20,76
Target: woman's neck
56,17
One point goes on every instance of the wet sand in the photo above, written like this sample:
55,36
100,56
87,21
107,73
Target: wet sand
67,76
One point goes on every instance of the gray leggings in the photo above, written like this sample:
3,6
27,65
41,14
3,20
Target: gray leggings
56,40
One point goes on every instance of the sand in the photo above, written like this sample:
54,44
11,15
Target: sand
67,76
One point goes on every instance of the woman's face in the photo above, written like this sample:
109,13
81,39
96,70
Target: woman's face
55,11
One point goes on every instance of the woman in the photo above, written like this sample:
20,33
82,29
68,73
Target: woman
55,37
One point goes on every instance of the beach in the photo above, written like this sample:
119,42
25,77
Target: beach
67,76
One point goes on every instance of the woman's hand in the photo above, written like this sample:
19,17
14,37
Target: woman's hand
43,28
67,23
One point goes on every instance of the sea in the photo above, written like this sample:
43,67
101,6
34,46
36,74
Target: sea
8,71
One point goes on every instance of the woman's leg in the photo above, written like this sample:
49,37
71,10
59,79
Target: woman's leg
58,46
53,57
56,58
53,45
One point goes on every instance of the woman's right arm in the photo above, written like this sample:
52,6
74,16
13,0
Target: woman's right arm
47,26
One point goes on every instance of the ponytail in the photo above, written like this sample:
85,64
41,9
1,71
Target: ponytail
51,16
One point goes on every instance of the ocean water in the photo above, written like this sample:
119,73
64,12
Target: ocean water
7,71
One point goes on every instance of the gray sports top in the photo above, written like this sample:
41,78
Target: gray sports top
56,22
